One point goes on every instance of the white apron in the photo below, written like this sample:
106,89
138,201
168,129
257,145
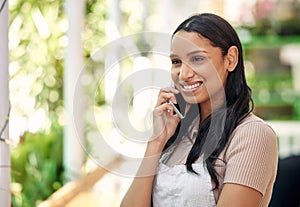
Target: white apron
174,186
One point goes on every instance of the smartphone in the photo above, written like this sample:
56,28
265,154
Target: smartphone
176,110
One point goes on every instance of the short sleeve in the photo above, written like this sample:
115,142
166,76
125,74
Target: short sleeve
252,156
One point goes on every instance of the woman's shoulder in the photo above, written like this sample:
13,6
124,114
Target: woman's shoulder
251,150
252,133
253,122
251,117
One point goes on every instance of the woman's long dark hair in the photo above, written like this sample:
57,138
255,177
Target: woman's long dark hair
217,128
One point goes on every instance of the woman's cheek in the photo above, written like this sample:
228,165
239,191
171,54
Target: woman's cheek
174,75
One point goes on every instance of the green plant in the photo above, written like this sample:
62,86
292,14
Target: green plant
37,166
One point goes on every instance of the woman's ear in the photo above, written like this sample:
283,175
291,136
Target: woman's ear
232,58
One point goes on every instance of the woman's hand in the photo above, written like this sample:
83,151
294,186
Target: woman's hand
164,119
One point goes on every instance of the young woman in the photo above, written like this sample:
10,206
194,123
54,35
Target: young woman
220,153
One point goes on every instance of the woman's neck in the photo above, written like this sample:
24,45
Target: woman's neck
208,108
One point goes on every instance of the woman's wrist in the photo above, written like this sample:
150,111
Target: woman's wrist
151,158
156,145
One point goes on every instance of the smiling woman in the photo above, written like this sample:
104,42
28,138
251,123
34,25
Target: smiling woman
220,153
200,74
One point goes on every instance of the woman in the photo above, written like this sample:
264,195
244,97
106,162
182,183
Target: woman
220,153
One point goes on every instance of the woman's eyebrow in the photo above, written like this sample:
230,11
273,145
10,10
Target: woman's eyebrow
173,55
195,52
190,53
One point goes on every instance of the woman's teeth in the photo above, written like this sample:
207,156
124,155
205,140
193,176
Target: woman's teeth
191,87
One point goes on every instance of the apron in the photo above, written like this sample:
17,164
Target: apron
177,187
174,186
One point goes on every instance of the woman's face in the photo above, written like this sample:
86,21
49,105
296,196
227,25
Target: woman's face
198,69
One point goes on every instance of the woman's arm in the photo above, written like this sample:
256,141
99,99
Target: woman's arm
140,191
234,195
164,126
251,166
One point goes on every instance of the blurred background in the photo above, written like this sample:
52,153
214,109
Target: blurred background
55,75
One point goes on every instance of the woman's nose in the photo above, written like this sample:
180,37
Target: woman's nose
186,72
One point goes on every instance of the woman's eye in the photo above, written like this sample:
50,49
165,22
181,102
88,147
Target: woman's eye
197,59
175,62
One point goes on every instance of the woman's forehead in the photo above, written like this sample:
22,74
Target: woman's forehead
186,42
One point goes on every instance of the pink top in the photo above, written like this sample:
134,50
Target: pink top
251,158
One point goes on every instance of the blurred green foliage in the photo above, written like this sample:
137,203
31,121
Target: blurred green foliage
37,167
271,82
37,48
37,51
282,18
37,42
94,36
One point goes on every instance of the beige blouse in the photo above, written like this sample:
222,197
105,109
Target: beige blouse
250,158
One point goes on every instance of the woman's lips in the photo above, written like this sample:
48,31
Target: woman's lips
191,87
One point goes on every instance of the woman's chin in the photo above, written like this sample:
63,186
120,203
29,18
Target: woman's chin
190,100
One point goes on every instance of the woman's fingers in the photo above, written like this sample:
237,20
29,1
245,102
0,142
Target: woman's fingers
165,121
170,90
166,94
164,108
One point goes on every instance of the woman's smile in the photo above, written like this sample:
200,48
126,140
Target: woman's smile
190,87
